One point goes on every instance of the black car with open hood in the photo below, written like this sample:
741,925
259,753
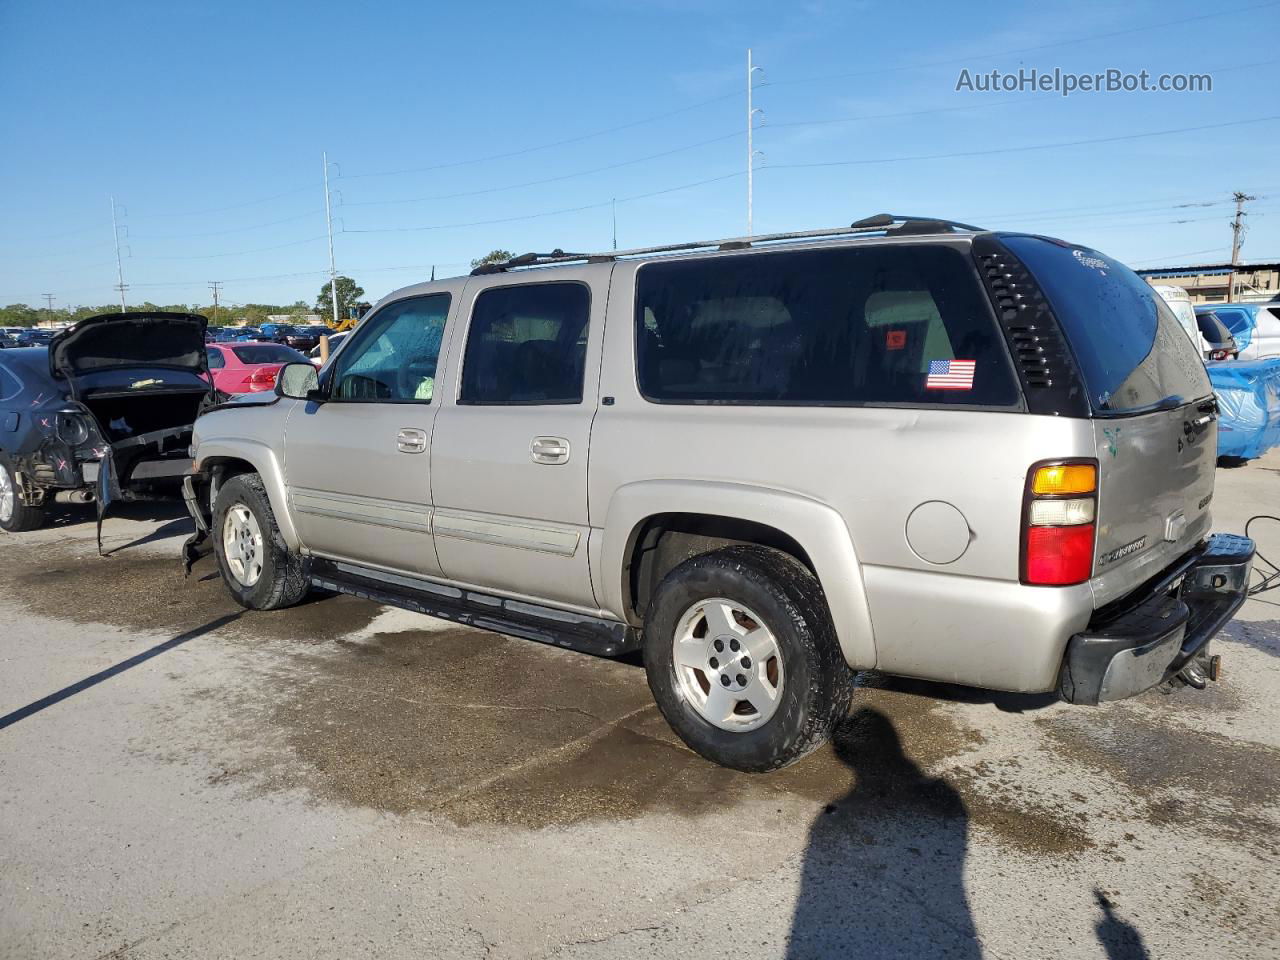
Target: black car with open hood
104,413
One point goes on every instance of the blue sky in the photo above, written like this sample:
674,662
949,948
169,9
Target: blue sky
207,121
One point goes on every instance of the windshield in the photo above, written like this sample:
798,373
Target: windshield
1132,352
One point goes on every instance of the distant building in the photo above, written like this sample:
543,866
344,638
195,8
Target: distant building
1208,283
294,318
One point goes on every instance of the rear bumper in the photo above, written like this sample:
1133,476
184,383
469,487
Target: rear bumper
1152,634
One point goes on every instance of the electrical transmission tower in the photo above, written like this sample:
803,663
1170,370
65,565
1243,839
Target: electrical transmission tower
1238,230
214,285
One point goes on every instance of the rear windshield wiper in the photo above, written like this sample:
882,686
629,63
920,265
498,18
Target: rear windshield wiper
1172,402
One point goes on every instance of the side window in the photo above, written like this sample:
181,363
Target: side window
216,360
527,344
855,325
395,353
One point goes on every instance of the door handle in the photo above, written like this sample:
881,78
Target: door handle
409,440
550,450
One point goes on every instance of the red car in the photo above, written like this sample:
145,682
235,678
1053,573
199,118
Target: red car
248,367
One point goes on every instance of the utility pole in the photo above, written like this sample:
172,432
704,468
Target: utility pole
328,216
214,285
751,153
48,299
1237,240
115,233
614,205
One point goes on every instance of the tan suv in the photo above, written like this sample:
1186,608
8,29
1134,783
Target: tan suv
907,445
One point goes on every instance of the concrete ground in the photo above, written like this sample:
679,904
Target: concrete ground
180,778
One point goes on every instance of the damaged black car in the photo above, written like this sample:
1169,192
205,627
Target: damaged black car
103,414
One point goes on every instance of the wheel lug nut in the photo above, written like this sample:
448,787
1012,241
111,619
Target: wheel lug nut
733,645
742,681
719,645
746,663
715,664
724,681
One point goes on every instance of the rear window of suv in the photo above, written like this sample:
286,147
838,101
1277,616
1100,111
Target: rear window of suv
889,324
1131,350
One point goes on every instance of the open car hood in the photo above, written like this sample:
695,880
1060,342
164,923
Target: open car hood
115,341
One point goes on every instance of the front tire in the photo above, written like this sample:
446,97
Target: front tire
16,516
743,660
256,564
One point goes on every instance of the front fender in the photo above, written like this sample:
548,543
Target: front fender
265,462
819,529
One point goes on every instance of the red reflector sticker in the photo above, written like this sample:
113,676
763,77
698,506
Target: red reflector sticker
1059,556
895,339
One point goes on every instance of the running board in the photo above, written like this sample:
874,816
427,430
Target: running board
517,618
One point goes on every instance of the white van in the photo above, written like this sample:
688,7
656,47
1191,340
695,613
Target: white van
1179,302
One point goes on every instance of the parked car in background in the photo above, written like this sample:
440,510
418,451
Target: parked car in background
989,459
103,413
248,367
247,333
335,340
1179,302
275,332
1255,326
35,337
305,338
1220,344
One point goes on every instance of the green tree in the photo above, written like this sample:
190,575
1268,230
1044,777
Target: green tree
493,256
349,293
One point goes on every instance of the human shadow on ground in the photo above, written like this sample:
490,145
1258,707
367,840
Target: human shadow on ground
1118,937
883,873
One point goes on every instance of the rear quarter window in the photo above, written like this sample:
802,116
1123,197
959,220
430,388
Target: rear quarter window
889,325
10,385
1131,349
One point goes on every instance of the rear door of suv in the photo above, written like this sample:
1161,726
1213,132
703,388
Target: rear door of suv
1152,406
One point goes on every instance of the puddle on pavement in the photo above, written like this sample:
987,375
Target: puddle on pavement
486,729
1179,775
148,592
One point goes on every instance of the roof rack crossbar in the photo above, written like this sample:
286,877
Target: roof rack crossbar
881,223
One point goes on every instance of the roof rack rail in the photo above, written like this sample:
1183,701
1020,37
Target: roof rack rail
880,223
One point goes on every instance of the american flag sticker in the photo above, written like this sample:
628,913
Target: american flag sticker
950,375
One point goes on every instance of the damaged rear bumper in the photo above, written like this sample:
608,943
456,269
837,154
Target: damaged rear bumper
1160,629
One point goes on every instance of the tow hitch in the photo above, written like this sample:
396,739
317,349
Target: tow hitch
1199,671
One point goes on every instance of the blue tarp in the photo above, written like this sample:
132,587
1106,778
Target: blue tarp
1249,406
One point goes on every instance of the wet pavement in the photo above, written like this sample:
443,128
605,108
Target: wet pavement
182,778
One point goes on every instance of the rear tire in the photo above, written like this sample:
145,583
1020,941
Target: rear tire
257,566
743,660
16,516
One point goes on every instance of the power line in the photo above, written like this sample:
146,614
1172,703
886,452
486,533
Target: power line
546,180
1174,256
953,61
1021,149
241,253
548,213
543,146
223,233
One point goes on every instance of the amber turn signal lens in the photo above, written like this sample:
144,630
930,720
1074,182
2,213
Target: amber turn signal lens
1065,478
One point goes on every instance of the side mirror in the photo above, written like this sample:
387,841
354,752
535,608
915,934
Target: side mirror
297,381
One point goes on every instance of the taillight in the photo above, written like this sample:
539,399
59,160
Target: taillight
264,378
1058,520
1218,355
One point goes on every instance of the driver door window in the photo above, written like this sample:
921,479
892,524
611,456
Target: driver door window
395,356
